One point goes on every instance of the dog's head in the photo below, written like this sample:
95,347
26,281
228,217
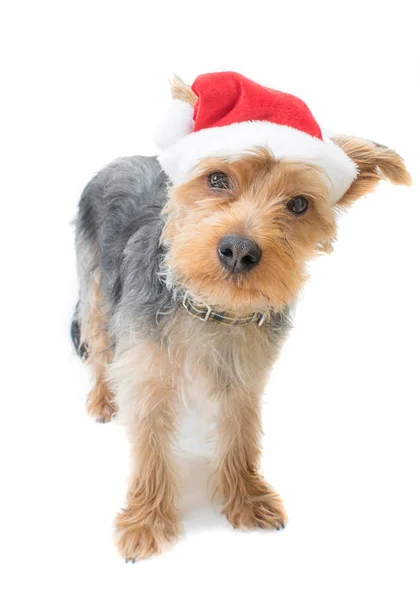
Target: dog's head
240,227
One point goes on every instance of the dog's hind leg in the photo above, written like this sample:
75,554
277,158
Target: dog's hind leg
95,338
75,332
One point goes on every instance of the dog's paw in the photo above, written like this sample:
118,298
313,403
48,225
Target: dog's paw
100,404
261,508
138,538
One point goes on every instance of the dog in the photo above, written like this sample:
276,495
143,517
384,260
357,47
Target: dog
189,264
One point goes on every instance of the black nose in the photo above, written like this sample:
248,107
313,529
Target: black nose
237,253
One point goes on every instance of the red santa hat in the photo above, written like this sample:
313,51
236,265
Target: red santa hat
233,115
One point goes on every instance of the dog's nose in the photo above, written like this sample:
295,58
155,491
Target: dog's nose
238,254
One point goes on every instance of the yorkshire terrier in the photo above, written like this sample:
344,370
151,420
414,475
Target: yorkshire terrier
189,263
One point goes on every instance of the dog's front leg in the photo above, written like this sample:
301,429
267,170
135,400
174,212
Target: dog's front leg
150,521
249,501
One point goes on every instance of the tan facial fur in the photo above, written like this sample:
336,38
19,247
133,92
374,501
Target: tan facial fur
255,206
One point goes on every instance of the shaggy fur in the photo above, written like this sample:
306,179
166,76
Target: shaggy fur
141,246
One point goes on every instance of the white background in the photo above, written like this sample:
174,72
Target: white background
85,82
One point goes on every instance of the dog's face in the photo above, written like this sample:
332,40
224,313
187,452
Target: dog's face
240,230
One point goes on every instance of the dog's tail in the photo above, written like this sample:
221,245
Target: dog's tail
80,347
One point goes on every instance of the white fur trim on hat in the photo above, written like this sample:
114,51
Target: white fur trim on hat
179,158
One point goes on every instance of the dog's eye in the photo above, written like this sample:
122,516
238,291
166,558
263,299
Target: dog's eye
298,205
218,180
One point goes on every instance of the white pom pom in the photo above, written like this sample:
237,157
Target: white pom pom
177,123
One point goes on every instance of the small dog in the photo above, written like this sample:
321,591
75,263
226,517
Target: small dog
188,264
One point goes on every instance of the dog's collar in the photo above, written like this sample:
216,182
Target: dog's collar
204,312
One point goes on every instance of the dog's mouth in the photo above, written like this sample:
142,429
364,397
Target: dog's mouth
258,289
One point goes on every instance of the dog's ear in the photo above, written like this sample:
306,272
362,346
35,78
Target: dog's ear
374,163
181,91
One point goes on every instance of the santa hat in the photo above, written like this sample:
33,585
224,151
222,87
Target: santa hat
233,115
